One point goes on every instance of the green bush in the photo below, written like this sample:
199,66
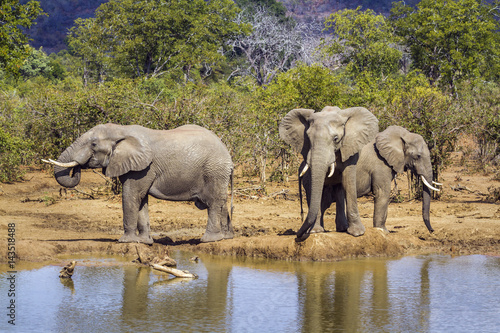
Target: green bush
10,157
420,108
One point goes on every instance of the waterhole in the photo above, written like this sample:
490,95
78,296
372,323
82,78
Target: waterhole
409,294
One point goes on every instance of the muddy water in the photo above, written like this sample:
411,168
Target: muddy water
410,294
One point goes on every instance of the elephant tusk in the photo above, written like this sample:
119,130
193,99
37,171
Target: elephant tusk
304,170
429,185
63,165
437,184
332,170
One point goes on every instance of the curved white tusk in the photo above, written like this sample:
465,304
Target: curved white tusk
437,184
304,170
332,170
63,165
429,185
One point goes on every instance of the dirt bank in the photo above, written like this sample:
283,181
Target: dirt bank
50,221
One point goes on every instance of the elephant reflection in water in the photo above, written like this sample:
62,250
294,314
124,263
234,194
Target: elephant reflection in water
363,296
335,298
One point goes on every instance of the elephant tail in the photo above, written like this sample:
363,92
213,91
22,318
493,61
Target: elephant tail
232,187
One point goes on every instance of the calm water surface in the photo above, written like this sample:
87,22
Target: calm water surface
410,294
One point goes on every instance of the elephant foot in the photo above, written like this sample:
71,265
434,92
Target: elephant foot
212,237
356,230
228,235
302,237
383,229
342,228
131,238
317,229
341,225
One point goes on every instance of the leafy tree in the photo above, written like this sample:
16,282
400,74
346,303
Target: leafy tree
149,38
37,64
363,41
411,102
450,40
301,87
13,40
88,41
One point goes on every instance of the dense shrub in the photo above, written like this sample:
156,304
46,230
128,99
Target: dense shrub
420,108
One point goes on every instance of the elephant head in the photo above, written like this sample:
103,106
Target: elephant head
116,149
325,139
403,150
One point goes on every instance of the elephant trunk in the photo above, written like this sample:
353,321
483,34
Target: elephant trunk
426,201
318,173
67,177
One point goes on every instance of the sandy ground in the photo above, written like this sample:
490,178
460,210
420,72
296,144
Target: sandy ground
50,222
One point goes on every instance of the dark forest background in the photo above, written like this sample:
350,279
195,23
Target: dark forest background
50,31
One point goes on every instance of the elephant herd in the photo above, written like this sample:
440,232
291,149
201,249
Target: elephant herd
344,157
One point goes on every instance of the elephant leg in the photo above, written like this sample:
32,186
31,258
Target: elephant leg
381,205
132,202
226,224
214,230
340,217
355,227
143,225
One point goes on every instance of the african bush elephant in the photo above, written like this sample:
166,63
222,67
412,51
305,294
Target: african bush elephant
188,163
330,142
393,151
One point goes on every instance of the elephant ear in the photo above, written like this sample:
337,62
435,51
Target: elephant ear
293,128
390,145
360,128
131,153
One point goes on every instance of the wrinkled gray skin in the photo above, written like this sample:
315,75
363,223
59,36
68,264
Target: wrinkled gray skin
323,138
188,163
391,152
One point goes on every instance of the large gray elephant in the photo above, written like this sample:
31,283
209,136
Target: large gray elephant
391,152
188,163
330,142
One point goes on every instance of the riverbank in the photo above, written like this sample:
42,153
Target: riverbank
47,221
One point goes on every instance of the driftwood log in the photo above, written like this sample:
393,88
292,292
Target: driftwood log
174,271
68,270
164,264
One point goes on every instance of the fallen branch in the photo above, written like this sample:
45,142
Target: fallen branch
461,188
81,192
245,191
108,181
174,271
283,192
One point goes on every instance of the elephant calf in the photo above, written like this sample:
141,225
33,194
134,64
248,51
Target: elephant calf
188,163
393,151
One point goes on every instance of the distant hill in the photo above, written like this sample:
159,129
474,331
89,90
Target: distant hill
310,10
50,31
